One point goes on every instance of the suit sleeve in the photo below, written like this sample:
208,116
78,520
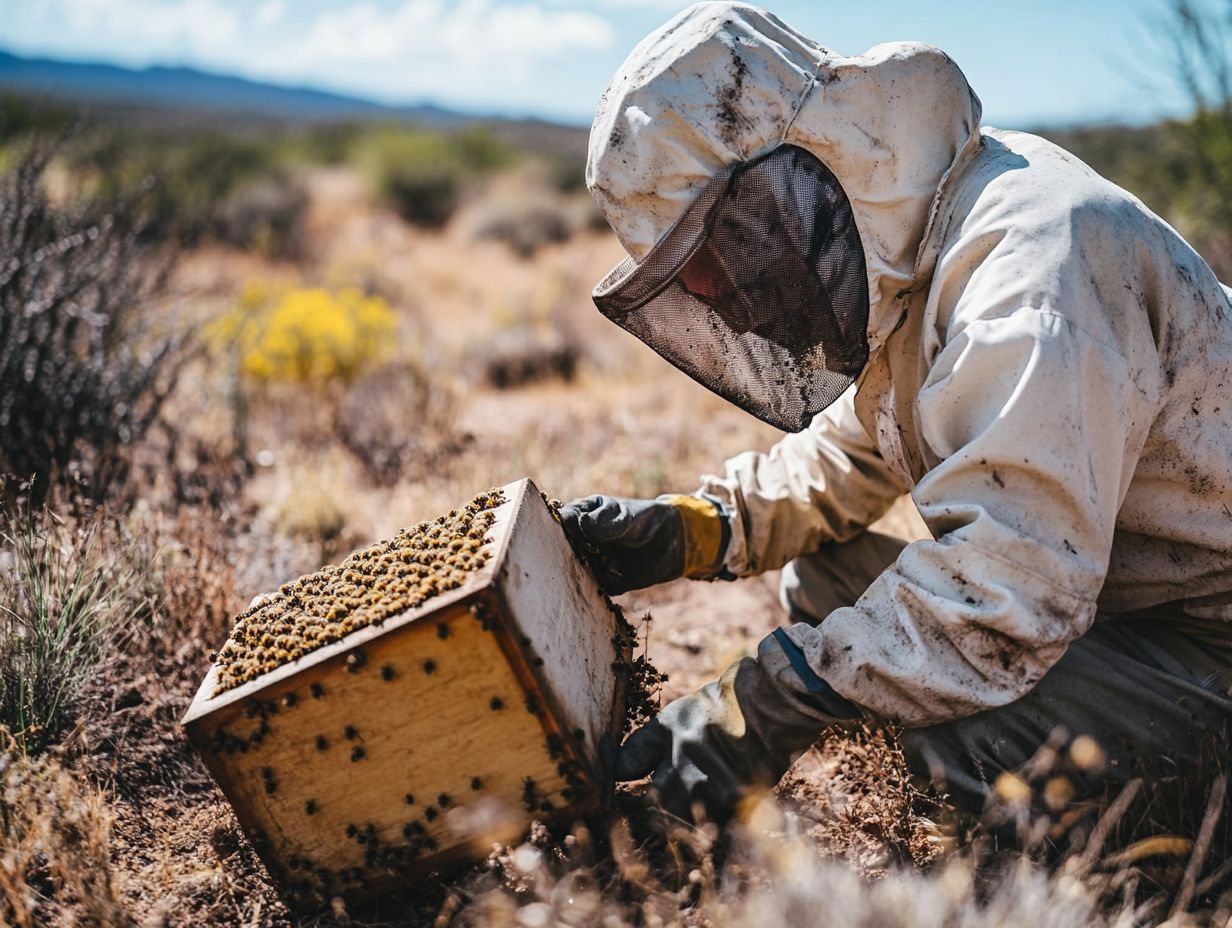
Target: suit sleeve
1038,427
824,484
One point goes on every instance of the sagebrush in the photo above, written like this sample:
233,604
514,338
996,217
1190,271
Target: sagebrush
84,368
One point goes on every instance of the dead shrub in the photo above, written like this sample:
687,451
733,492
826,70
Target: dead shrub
55,846
532,215
854,797
397,421
83,371
266,216
527,355
526,225
132,727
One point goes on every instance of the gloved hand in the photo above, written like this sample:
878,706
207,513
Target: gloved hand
636,543
736,735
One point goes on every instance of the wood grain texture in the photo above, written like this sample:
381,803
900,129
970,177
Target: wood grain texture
483,707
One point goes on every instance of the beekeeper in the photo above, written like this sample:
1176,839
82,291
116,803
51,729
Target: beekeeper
966,314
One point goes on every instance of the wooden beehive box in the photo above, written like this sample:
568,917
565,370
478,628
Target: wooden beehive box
451,727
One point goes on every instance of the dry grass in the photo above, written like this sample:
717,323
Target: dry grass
71,598
55,846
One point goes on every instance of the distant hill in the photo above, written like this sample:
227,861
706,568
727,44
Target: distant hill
189,89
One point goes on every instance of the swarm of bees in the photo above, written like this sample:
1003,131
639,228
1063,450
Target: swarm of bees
367,588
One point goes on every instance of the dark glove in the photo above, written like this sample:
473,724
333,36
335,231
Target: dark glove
636,543
736,736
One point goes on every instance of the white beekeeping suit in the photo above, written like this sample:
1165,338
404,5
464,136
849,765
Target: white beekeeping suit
1049,366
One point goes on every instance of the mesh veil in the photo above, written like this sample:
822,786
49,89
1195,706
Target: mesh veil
758,291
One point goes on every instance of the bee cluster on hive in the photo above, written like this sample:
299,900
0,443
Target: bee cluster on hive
367,588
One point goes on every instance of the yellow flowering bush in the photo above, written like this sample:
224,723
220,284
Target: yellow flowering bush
308,334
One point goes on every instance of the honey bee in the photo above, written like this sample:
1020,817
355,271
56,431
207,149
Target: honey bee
365,589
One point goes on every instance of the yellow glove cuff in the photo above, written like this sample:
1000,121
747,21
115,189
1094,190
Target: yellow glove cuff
703,535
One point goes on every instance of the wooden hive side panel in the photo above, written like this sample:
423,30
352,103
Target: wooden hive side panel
436,712
566,627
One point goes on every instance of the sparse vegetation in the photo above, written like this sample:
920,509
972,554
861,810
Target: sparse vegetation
83,372
1181,168
70,597
423,176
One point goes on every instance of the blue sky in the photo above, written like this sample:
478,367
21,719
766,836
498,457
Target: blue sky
1032,63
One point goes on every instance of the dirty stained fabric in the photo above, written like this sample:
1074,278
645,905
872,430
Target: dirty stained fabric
1050,374
1151,691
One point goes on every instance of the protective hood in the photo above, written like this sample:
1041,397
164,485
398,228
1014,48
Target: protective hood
727,83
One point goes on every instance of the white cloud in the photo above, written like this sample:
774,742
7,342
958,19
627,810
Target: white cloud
671,5
394,49
502,38
271,12
144,27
